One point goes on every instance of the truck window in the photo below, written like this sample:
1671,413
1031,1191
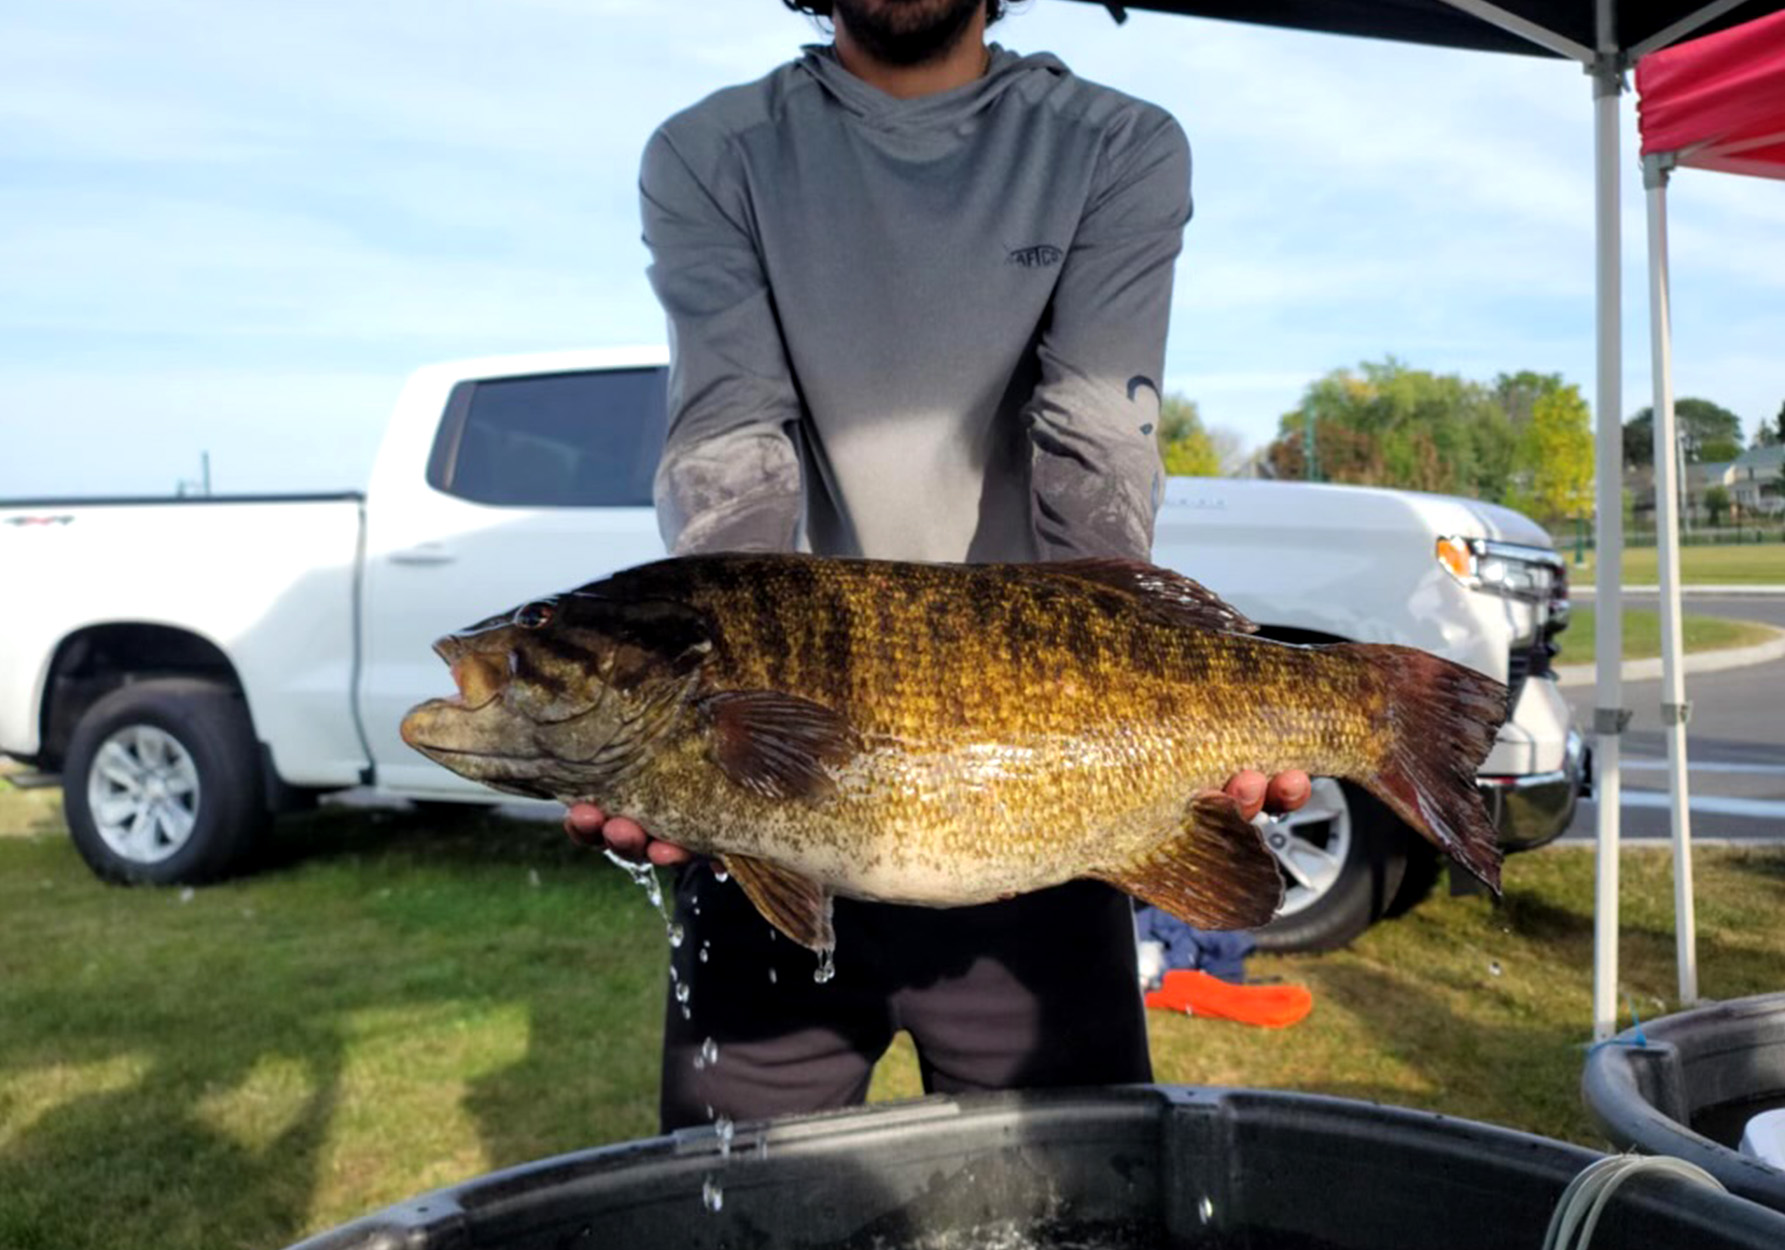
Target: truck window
562,440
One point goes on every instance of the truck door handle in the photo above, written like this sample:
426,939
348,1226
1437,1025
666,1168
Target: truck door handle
424,553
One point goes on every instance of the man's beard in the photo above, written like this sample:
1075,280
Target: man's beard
906,32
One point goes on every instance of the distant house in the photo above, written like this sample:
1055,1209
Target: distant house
1754,482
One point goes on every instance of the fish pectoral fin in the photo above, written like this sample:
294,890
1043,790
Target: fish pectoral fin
1170,595
797,906
1213,872
777,745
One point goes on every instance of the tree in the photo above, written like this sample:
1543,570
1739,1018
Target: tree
1389,425
1774,434
1705,427
1716,503
1183,444
1231,452
1555,455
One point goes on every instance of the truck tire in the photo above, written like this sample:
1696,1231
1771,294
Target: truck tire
1343,856
162,783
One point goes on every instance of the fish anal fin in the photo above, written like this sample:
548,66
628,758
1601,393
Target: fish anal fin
1171,595
797,906
1213,872
777,745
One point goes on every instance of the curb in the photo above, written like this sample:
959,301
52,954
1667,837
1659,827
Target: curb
1698,662
1587,588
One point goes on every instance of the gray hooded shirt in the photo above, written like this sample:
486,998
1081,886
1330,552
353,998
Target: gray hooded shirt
925,329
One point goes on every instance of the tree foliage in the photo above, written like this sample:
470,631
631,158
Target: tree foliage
1184,444
1716,503
1706,428
1555,455
1771,433
1388,425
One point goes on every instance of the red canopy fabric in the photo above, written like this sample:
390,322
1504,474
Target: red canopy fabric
1718,102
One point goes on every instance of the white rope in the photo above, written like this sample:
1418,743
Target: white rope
1587,1194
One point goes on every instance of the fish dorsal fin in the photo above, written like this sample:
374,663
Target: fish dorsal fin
1213,871
777,745
797,906
1175,597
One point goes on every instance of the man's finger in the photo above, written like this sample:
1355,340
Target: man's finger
1247,789
625,837
582,822
1287,791
666,854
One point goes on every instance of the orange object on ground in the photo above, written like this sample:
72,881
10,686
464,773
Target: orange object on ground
1272,1006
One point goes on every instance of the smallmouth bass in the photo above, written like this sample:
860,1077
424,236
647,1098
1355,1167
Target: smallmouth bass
951,734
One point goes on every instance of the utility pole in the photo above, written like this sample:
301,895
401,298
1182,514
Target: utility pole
202,487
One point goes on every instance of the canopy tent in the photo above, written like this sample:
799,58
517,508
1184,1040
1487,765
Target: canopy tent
1606,37
1715,103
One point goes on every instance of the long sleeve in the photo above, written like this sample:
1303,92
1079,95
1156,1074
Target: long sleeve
1096,474
730,478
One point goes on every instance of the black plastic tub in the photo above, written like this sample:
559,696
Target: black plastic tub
1094,1170
1684,1085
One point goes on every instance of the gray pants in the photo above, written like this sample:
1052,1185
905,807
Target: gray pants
1037,991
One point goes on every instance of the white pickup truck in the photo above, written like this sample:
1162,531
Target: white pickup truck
189,667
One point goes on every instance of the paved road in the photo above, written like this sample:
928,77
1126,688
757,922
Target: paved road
1735,742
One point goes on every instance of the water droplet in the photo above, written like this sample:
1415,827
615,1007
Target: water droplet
773,935
720,875
673,974
687,1012
709,1111
711,1196
703,954
675,936
762,1146
827,966
709,1053
533,877
1494,967
771,976
1206,1209
186,895
681,991
726,1129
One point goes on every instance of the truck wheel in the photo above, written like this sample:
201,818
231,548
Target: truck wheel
1342,857
162,783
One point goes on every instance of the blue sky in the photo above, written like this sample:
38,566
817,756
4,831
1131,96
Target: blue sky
237,227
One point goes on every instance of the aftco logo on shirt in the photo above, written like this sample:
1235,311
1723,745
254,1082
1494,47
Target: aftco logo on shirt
1037,256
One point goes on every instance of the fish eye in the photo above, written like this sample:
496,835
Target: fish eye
533,616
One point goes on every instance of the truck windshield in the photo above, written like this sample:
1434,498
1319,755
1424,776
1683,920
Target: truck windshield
588,439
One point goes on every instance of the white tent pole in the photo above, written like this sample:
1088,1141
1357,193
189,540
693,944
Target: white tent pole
1609,716
1543,36
1680,29
1674,708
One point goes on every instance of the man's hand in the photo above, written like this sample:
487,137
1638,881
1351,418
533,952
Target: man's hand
588,825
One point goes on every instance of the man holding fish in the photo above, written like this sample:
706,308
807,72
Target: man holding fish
918,288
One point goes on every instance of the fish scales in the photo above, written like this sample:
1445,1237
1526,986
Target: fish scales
1007,727
1091,722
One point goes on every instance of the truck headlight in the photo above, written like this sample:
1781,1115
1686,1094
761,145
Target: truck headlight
1533,575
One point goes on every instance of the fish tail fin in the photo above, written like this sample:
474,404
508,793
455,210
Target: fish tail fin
1442,719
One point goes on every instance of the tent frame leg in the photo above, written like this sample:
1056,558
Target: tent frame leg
1655,169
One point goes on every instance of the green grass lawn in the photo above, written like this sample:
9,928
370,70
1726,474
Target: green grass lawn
1642,634
391,1006
1740,564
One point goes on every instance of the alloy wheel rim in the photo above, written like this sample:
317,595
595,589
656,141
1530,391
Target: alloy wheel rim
143,793
1311,845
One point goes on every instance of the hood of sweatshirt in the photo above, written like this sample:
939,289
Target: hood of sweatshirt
940,110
